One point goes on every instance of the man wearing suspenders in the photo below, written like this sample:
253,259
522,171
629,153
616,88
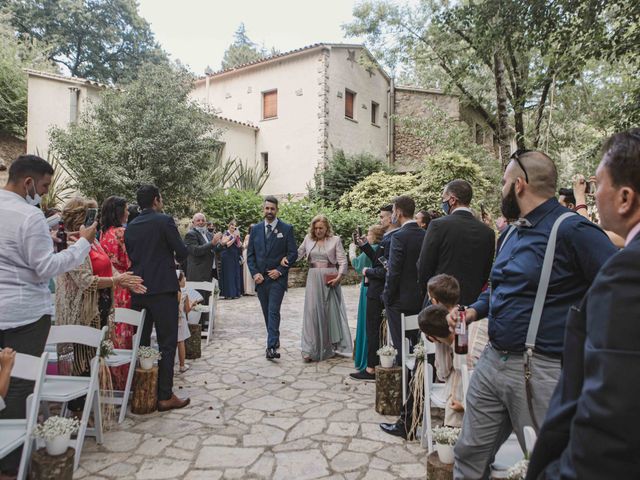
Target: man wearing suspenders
546,261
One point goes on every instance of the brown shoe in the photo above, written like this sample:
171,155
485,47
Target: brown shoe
173,402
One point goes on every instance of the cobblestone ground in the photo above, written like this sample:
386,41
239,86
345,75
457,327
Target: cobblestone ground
251,418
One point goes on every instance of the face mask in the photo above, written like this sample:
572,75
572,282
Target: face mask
394,219
33,200
509,205
446,208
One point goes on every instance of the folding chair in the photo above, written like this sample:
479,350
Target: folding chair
433,395
19,431
213,301
121,357
408,322
64,388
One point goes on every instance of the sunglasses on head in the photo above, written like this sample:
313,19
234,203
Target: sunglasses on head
516,156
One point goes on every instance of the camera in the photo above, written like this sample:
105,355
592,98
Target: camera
591,187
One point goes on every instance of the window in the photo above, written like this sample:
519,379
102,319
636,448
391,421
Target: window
349,102
479,134
270,104
74,95
265,161
374,113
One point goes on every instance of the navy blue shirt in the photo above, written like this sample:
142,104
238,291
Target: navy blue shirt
581,249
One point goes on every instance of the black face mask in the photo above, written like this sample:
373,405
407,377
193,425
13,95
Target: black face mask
509,205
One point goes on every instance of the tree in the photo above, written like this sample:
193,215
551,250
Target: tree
377,190
16,55
103,40
342,173
150,132
243,50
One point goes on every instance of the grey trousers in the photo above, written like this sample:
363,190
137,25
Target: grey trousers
497,405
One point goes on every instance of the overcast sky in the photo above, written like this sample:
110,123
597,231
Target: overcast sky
197,32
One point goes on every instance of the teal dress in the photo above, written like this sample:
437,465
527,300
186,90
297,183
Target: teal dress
360,348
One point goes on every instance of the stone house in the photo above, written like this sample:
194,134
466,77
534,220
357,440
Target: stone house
287,113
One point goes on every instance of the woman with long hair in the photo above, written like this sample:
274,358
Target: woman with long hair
325,329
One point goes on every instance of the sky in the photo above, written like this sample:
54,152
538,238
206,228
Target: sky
197,32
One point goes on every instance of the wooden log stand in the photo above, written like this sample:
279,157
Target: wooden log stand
145,391
388,390
436,470
46,467
192,345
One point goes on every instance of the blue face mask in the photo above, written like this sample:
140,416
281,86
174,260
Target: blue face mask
446,208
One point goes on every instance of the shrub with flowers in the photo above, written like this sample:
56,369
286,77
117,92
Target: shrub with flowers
446,435
55,427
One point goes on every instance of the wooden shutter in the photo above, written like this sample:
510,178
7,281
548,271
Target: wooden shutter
270,104
348,104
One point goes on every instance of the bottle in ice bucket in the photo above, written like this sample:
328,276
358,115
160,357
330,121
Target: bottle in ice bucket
62,236
462,339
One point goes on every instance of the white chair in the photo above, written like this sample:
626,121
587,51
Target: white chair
433,395
14,433
408,322
121,357
63,388
211,306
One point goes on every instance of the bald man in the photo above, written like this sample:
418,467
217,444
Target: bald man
499,400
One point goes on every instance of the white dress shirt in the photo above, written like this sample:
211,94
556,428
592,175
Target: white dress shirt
27,262
273,224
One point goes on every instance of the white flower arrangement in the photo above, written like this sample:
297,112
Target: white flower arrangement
420,351
55,427
387,351
446,435
518,471
106,348
149,352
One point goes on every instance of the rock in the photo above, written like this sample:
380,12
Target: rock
263,435
160,467
347,461
227,457
300,465
364,446
343,429
306,428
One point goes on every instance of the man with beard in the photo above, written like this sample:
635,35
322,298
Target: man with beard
516,374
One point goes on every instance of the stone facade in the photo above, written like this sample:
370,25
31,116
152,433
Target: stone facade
10,149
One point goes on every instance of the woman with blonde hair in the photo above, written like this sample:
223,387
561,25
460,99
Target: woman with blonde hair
84,296
325,330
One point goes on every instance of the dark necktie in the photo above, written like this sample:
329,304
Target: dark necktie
269,231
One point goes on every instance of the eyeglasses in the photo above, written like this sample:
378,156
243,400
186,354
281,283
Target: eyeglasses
516,156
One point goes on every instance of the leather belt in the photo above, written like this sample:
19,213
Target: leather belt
321,265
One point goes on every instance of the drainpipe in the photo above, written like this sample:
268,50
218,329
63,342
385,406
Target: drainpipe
207,88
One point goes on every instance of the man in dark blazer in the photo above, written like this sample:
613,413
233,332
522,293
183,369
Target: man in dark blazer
201,246
153,245
401,293
375,276
592,427
457,244
269,242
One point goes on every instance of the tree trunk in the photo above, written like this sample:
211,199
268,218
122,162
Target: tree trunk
193,344
145,391
388,390
46,467
503,114
436,470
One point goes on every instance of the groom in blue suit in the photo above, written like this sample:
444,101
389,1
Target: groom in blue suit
269,242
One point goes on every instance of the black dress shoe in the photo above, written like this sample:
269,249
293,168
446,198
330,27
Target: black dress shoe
363,375
272,353
396,429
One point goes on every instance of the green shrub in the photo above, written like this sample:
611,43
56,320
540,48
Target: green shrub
243,205
440,170
342,173
377,190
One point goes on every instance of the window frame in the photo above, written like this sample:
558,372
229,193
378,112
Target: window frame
353,94
265,93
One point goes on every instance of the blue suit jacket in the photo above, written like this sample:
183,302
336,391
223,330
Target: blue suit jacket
264,255
591,429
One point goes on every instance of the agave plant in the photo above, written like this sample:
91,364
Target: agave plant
63,184
248,177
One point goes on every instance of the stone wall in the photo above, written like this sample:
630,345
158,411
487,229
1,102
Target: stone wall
10,148
408,148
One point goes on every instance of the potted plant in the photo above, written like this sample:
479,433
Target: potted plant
519,470
56,432
387,354
445,438
147,356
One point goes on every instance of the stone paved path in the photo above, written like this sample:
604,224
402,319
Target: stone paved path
250,418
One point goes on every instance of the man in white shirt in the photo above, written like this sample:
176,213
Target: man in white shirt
27,263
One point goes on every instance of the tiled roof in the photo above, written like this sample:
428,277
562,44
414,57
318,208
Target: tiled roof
57,76
230,120
286,54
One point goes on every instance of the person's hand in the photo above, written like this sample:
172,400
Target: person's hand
284,262
274,274
335,282
7,358
456,406
580,189
360,241
88,233
54,236
364,271
487,219
452,318
258,278
216,238
130,281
